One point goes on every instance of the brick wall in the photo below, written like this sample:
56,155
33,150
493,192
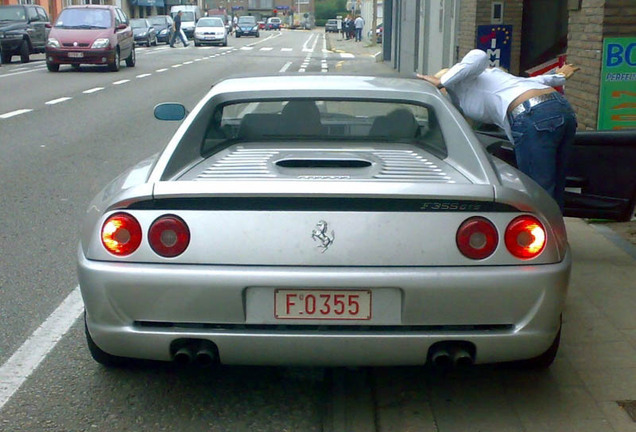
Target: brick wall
474,13
587,27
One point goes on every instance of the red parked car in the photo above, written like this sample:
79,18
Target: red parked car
90,34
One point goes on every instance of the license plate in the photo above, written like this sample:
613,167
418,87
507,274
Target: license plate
322,304
76,54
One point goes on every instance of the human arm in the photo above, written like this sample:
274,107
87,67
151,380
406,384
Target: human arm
473,64
558,77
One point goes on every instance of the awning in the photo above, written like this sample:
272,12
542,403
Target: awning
157,3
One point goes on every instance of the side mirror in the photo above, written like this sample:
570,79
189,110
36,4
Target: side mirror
170,111
122,26
48,25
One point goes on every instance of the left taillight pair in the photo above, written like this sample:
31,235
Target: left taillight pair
168,235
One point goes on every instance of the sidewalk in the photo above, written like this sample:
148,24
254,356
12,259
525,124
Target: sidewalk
358,57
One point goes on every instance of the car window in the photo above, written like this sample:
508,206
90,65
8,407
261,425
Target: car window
328,121
158,21
123,18
12,13
84,18
42,14
32,14
187,16
247,20
139,23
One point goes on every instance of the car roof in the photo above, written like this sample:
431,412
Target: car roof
333,82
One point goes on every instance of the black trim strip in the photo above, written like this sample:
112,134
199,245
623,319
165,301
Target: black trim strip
322,204
326,328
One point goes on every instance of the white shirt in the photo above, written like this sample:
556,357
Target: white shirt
359,23
484,93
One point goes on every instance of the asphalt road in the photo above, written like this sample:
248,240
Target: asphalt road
57,153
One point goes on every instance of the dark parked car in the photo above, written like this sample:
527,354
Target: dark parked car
90,34
246,26
331,26
273,23
23,31
162,25
144,32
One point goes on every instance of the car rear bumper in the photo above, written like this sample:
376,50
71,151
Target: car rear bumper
507,313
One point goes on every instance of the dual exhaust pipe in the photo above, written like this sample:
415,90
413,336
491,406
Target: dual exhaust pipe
446,355
194,351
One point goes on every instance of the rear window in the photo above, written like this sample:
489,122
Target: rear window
325,120
84,18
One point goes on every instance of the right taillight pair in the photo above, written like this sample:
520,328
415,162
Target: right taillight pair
477,237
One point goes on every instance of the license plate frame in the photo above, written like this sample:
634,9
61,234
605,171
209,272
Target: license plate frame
76,55
323,304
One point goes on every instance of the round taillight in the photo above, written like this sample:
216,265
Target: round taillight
121,234
525,237
477,238
169,236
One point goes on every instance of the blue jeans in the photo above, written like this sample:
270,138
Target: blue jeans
543,137
174,38
358,34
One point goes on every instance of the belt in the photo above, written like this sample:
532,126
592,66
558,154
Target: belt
529,103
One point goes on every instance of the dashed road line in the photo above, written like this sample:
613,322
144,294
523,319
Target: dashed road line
93,90
121,82
57,101
15,113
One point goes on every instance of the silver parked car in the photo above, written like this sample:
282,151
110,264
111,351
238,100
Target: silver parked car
323,220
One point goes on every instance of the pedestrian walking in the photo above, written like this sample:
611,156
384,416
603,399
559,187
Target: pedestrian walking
176,27
359,25
537,119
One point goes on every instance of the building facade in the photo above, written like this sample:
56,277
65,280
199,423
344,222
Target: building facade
525,37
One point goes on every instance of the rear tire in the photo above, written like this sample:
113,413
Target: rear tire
100,356
24,51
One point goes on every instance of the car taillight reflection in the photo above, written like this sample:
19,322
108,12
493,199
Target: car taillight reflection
121,234
477,238
169,236
525,237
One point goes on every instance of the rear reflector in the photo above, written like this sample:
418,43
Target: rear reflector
169,236
525,237
121,234
477,238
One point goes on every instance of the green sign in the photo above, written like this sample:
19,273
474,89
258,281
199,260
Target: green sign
617,104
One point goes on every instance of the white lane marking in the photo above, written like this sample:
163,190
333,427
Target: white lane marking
347,55
57,101
161,70
93,90
28,357
18,73
177,65
266,49
286,49
15,113
308,41
247,48
284,68
121,82
143,75
188,62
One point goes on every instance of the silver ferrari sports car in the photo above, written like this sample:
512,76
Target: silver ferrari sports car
323,220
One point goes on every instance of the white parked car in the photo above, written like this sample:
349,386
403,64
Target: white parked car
210,30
